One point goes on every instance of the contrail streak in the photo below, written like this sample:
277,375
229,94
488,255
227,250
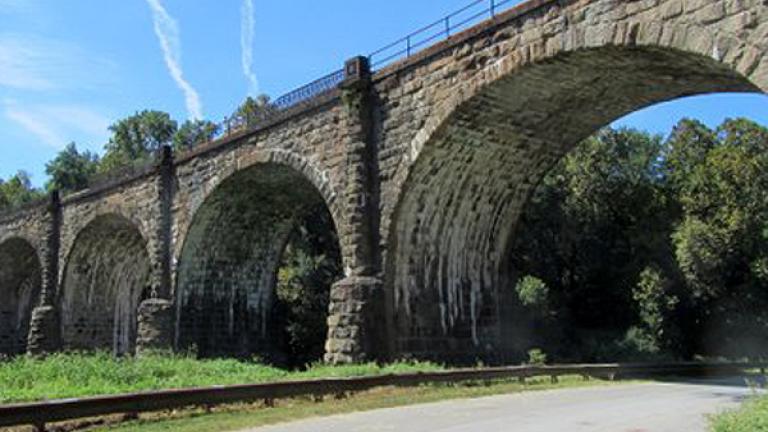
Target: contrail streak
167,32
247,27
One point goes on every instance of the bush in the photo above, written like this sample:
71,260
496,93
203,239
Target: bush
533,292
750,417
537,357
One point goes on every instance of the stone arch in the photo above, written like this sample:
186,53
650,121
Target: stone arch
106,275
469,171
227,265
320,179
20,287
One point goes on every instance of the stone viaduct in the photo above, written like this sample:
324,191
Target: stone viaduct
423,165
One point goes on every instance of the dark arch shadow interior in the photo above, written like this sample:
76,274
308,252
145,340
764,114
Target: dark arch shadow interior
20,284
106,277
464,194
229,262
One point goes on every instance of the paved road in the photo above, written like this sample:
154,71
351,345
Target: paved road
647,407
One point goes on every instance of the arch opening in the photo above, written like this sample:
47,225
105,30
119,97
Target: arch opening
106,277
20,285
451,289
255,269
650,247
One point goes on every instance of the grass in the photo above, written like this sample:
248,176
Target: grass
752,416
77,375
26,379
236,417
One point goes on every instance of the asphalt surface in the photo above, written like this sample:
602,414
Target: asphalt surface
644,407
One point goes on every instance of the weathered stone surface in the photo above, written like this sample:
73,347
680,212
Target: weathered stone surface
20,284
227,269
106,276
356,321
155,326
44,334
424,167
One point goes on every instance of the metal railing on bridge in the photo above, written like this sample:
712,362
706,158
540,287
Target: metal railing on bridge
402,48
441,29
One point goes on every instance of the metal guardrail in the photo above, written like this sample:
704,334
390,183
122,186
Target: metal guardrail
238,123
441,29
41,413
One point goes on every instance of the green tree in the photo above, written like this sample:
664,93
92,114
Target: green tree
533,292
654,247
721,241
596,219
18,190
137,138
253,110
655,303
71,169
310,263
5,203
687,147
193,133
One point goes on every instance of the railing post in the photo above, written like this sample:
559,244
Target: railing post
448,26
493,8
408,46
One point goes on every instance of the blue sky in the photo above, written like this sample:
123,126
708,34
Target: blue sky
68,69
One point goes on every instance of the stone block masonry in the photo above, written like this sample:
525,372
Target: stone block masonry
424,167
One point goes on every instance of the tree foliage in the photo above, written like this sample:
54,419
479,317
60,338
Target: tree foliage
17,191
71,169
654,246
253,110
311,262
193,133
137,138
533,292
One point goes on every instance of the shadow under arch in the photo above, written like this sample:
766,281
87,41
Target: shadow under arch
105,278
464,187
20,286
228,264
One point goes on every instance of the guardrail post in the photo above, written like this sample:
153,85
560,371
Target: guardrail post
155,314
355,321
44,332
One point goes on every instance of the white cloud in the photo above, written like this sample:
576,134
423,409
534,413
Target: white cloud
167,32
37,126
15,6
57,125
247,29
39,64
